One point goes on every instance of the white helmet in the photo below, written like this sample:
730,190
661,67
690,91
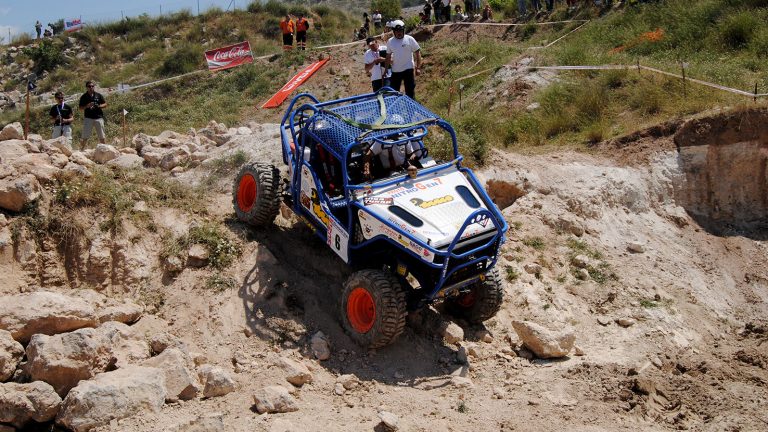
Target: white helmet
398,23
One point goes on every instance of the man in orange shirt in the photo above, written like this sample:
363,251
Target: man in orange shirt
287,28
302,25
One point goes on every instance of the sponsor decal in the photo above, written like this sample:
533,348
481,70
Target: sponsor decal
415,187
229,56
71,25
304,199
317,209
431,203
378,201
291,85
400,224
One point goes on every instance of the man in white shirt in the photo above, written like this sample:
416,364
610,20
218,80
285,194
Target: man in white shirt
377,20
404,55
376,64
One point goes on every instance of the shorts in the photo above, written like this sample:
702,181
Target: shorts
301,36
65,131
89,124
288,39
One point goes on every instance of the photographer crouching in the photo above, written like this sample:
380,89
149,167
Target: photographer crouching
376,64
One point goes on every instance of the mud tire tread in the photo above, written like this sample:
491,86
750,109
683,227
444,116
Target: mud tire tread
490,295
389,299
267,205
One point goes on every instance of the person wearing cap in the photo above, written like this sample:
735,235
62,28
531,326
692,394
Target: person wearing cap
376,64
62,116
287,27
404,56
91,103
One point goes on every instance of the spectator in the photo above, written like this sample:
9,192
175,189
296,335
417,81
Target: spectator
550,5
287,27
38,29
427,11
468,6
377,20
376,64
366,23
302,25
487,14
446,10
62,117
458,15
475,6
404,56
437,8
91,103
521,10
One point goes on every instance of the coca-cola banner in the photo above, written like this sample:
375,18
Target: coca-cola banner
291,85
229,56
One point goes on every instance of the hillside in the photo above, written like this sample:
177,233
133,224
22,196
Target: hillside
636,205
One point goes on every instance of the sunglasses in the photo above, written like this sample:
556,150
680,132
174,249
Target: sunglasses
90,86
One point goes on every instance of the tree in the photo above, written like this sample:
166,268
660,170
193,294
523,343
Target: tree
390,9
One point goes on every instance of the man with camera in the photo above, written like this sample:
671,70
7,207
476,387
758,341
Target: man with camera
62,117
91,104
376,64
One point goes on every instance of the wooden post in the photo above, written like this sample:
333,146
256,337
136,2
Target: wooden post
467,34
755,92
461,92
125,134
682,68
450,98
638,66
26,122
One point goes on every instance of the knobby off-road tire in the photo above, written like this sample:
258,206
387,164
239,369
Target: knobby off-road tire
373,308
255,194
482,302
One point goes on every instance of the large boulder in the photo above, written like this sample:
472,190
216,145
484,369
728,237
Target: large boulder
174,157
63,360
543,342
105,153
180,381
12,131
112,396
128,345
11,353
12,149
60,143
22,403
39,165
44,312
17,192
127,161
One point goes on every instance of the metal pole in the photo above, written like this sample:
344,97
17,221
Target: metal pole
125,140
198,7
755,92
682,67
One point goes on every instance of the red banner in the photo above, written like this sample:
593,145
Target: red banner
229,56
291,85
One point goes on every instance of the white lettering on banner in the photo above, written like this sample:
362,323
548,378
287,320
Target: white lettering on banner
235,53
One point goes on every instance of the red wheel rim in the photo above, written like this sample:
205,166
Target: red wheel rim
246,193
361,310
466,300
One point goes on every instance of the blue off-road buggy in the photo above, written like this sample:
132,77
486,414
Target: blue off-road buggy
415,237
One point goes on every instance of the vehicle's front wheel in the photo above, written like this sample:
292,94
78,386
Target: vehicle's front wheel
373,308
255,194
481,302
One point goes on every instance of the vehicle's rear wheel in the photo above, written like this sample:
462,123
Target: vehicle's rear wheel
373,308
255,194
481,302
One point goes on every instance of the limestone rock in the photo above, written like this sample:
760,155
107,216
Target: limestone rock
180,382
295,373
543,342
139,141
159,342
128,345
12,131
80,158
39,165
13,149
73,168
626,322
216,381
582,274
348,381
105,153
17,192
127,161
173,158
389,420
532,268
62,144
319,345
63,360
113,395
44,312
274,399
22,403
128,312
580,261
197,256
452,333
636,247
11,353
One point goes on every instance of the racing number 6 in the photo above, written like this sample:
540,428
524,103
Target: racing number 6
337,242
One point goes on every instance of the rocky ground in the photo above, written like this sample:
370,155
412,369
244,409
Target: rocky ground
613,249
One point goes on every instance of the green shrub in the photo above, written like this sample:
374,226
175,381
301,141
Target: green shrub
388,8
297,10
738,30
255,7
185,58
321,10
46,55
275,8
527,31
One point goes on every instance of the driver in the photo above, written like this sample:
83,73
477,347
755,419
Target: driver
392,157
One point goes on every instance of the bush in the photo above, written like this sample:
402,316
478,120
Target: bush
388,8
46,55
738,30
255,7
184,59
275,8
